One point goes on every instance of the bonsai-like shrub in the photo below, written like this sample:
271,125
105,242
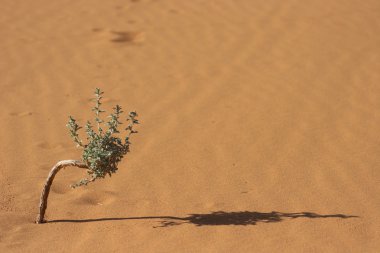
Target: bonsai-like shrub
102,153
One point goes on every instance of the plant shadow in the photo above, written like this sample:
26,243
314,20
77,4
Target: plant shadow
218,218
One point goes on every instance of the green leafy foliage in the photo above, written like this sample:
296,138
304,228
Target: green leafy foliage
104,148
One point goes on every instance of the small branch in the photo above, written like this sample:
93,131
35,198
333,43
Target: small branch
49,181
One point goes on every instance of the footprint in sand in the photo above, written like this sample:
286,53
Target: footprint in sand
128,37
120,37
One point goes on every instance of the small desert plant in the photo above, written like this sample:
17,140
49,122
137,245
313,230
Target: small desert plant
102,153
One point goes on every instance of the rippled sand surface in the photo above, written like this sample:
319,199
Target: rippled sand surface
260,125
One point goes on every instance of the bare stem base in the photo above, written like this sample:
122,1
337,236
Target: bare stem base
49,181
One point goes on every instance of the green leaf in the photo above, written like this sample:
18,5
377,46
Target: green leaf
103,152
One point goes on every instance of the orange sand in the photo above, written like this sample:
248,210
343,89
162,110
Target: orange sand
267,112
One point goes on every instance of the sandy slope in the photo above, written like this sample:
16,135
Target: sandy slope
260,125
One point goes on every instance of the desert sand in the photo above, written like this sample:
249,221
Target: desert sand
259,125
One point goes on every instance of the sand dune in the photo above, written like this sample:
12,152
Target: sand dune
260,125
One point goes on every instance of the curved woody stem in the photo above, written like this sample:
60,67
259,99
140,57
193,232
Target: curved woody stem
49,181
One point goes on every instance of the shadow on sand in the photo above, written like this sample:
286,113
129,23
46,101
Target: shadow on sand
220,218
